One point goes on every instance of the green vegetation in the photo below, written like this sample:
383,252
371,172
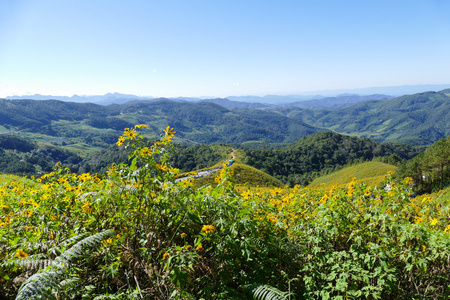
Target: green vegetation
371,173
418,119
322,153
429,170
243,175
136,234
22,157
69,124
200,156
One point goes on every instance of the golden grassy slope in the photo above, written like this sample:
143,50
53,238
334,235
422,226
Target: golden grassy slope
372,173
243,174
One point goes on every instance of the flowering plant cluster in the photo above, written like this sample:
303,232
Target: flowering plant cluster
165,239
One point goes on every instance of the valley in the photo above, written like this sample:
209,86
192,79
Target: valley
269,201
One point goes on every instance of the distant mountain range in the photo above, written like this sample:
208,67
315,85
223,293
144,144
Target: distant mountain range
330,98
110,98
418,119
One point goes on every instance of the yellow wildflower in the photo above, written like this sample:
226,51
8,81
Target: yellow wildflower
165,256
86,208
199,248
162,167
132,133
21,254
140,126
188,247
169,133
146,152
447,229
183,235
120,141
208,229
28,212
434,221
418,219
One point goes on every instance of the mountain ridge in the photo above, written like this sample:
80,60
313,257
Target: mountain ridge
118,98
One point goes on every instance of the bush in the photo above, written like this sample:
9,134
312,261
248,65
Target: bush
138,234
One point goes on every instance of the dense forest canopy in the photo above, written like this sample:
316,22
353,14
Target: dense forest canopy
431,169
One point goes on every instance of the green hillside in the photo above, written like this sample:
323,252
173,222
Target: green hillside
429,170
242,175
418,119
76,125
371,173
321,153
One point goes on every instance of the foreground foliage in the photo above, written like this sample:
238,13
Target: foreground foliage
139,234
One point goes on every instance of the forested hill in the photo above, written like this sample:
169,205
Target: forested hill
100,126
319,153
418,119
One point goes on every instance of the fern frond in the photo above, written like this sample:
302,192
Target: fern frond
40,284
69,283
85,195
44,282
76,249
267,292
30,262
73,239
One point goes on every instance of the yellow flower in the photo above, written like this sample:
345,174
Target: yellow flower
146,152
109,241
199,248
120,141
86,208
161,167
111,170
447,229
165,256
130,133
21,254
208,229
140,126
188,247
418,219
169,133
28,212
434,221
183,235
173,170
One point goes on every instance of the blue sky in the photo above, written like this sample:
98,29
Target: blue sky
220,48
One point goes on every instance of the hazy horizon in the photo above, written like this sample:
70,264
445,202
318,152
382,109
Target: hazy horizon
220,49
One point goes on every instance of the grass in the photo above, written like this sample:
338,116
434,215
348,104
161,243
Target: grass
243,175
372,173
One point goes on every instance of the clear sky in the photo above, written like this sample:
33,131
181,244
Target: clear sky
220,48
